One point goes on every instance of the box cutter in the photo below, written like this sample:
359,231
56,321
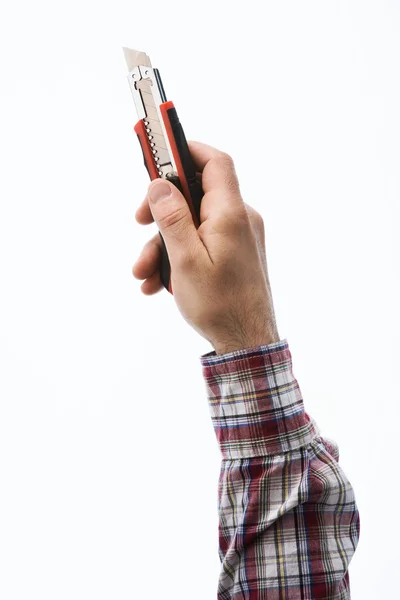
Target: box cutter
163,142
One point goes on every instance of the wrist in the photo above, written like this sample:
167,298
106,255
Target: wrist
231,345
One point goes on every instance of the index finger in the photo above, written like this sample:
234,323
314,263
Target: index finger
217,167
203,153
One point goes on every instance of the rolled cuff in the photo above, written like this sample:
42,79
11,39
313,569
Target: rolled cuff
255,401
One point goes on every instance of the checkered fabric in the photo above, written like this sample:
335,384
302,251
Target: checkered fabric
288,520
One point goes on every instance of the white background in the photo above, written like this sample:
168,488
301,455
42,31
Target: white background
108,459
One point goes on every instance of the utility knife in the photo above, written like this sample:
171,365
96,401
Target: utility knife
165,150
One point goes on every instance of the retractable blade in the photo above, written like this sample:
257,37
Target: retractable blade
148,94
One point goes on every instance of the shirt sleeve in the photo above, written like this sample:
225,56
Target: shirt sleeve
288,520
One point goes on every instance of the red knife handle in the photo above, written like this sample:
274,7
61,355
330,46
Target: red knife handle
186,180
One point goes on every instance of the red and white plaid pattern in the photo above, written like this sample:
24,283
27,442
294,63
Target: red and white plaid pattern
288,520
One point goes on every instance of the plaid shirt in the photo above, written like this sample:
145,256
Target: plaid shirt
288,519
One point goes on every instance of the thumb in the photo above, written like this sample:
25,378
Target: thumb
172,214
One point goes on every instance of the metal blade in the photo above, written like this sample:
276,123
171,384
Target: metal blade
134,58
148,96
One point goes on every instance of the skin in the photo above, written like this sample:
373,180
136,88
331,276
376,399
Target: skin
219,271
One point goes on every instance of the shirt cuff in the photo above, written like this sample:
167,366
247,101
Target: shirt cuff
255,401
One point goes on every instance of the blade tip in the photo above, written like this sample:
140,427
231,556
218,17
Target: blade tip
134,58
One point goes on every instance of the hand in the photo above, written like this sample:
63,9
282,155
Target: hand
219,271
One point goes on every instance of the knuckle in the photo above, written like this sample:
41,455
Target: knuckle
259,221
174,219
231,180
225,165
186,261
223,159
255,218
241,217
227,158
148,245
236,223
231,223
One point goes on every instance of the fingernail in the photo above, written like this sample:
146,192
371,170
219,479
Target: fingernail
159,191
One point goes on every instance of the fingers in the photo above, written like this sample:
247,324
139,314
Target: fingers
152,285
149,260
203,153
147,266
143,214
218,170
166,206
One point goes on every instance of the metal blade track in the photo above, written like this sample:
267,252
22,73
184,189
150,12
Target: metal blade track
154,129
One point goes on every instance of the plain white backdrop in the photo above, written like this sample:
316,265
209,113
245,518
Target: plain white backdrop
108,459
